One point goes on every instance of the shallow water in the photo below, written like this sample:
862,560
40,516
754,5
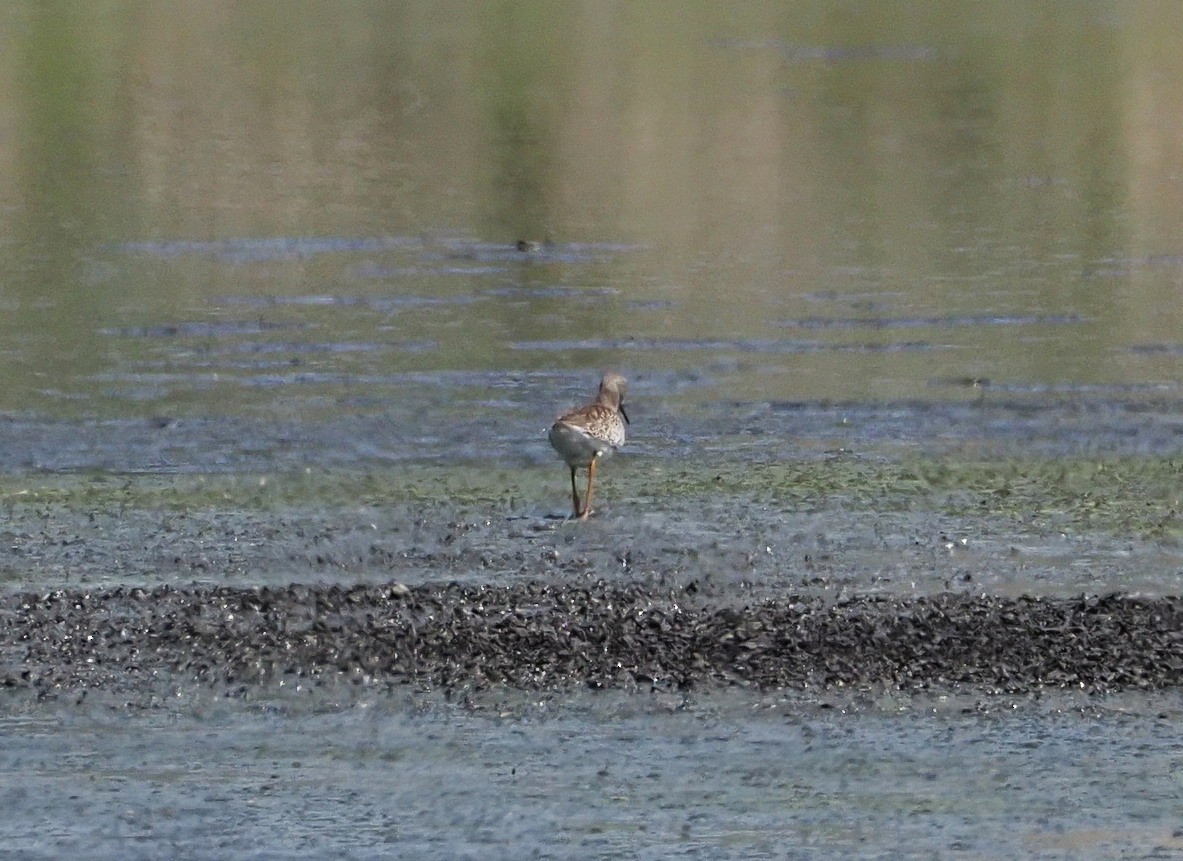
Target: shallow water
897,293
598,778
854,211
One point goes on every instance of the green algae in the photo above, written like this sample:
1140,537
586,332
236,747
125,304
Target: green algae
1137,496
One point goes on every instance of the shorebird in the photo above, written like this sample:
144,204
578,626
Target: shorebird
585,435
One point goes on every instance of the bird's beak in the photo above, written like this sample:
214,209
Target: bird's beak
623,413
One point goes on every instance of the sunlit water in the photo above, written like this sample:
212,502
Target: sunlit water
760,206
722,780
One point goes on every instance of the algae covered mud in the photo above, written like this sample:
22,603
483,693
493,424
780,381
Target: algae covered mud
835,656
890,649
848,569
898,630
777,507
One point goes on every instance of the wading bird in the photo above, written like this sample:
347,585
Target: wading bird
587,434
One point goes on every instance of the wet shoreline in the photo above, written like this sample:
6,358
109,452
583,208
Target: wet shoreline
539,636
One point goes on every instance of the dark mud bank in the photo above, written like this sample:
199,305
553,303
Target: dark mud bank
539,637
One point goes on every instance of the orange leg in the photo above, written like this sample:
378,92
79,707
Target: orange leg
591,474
574,496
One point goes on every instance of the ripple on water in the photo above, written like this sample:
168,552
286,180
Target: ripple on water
1156,349
202,329
797,52
549,291
931,322
388,302
267,248
738,345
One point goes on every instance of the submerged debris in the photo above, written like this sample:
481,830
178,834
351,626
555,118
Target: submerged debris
542,636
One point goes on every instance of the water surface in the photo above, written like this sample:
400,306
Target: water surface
897,290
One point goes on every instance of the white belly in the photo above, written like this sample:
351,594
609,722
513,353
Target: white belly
576,446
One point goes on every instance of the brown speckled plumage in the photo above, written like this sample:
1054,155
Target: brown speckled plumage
588,434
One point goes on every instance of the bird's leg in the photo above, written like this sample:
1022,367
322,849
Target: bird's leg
574,496
591,474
